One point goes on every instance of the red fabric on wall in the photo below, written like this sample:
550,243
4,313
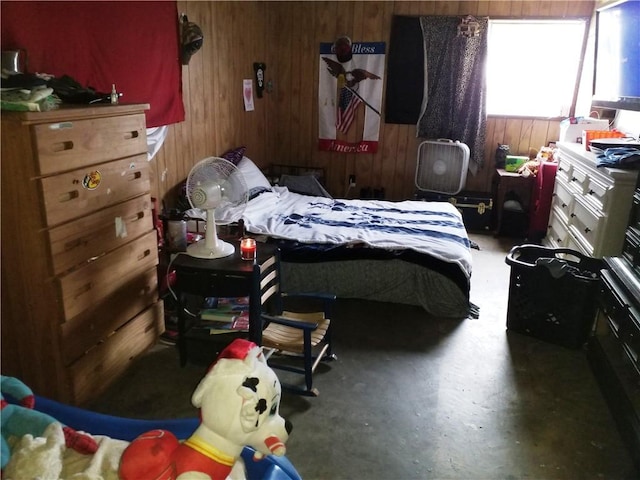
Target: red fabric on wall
132,44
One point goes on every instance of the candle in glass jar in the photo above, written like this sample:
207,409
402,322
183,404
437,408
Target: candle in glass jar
248,248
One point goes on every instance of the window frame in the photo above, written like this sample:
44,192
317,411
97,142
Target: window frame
579,77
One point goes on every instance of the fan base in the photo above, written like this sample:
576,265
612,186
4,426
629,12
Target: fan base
200,250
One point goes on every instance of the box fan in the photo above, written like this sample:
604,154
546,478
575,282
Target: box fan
442,166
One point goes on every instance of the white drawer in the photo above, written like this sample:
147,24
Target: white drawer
557,232
578,181
562,199
598,194
586,224
564,169
575,245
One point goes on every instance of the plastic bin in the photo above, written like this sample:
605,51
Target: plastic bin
560,307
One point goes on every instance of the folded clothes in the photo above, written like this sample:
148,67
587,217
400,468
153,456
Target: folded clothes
620,157
39,99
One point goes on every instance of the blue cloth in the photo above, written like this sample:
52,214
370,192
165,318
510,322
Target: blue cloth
620,157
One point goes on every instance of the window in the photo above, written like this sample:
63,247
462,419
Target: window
532,66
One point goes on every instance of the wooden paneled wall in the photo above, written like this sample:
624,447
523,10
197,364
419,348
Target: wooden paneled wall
283,128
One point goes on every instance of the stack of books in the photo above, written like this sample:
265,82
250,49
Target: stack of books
225,315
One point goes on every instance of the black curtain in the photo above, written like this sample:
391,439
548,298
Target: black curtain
454,99
405,71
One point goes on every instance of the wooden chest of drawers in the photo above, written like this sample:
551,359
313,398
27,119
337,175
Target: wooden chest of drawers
590,205
79,251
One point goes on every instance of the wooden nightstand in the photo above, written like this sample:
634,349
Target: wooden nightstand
506,182
222,277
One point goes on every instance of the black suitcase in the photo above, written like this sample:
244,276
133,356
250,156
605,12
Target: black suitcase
476,207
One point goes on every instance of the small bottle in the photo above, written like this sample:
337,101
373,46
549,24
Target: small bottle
114,94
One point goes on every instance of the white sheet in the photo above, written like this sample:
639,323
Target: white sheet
47,458
433,228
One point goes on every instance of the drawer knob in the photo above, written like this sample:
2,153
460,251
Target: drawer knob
564,205
591,192
587,230
572,215
573,179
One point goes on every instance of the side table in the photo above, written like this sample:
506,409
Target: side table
505,182
221,277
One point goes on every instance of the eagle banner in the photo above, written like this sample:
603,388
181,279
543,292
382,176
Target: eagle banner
350,80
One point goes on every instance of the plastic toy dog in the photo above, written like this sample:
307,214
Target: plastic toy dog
239,400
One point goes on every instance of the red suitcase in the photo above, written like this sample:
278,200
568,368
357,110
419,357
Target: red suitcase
541,200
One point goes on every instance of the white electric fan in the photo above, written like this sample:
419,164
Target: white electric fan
216,186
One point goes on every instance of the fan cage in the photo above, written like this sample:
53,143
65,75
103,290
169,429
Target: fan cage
442,166
225,173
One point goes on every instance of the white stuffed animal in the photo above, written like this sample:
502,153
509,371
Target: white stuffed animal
239,400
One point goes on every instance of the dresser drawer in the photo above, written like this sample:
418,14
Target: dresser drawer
558,232
224,284
578,180
564,169
97,369
74,243
634,214
80,192
562,200
586,224
598,194
623,319
107,314
631,249
72,144
86,287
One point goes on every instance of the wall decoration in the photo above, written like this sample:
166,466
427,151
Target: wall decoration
259,68
135,45
191,39
351,78
247,94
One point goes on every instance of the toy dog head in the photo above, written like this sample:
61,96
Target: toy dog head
239,399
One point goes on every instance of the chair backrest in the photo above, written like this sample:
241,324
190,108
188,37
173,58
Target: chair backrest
270,292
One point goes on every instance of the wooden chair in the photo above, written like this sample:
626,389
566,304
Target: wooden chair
294,341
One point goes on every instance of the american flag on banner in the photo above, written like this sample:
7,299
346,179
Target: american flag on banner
347,106
350,86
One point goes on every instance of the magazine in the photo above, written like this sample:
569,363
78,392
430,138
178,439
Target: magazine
224,315
236,323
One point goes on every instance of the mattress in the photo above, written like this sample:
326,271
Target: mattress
411,252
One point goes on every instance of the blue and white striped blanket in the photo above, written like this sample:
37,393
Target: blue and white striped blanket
432,228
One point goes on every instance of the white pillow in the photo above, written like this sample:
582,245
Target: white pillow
252,174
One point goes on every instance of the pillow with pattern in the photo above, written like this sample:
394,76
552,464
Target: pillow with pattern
234,155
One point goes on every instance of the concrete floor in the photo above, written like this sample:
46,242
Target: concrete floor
417,398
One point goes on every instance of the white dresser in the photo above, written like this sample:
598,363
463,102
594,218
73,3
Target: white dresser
590,206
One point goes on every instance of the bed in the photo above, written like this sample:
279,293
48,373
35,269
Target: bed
409,252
